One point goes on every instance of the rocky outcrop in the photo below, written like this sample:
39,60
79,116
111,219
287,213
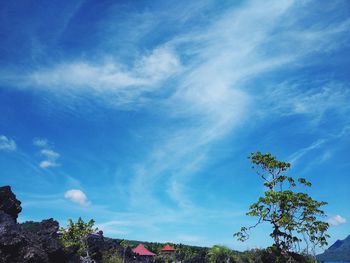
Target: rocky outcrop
15,246
31,242
44,234
9,203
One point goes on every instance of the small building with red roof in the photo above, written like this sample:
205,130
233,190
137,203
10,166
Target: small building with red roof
167,250
140,250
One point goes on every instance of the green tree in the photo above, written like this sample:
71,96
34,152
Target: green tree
75,234
292,214
111,257
220,254
125,244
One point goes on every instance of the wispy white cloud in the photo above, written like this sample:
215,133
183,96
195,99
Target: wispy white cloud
51,156
77,196
290,98
302,152
336,220
48,164
120,83
41,142
323,155
211,96
7,144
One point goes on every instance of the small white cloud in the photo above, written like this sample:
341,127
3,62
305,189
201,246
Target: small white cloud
336,220
47,164
77,196
41,142
7,144
50,154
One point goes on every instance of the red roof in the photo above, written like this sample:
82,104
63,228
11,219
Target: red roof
142,251
167,247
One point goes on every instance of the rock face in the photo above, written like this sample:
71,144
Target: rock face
9,203
29,242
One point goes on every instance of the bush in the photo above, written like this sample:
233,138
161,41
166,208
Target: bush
76,233
112,258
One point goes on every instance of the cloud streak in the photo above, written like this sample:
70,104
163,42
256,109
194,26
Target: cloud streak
302,152
109,78
289,98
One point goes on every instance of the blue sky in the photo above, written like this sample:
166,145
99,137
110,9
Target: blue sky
141,114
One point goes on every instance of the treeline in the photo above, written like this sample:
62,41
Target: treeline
215,254
93,246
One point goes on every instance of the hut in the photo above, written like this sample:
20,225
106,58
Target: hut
143,252
167,250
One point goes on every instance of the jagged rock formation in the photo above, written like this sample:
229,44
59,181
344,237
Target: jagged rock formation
9,203
29,242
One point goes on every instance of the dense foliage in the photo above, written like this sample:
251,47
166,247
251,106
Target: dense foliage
215,254
76,233
294,216
221,254
112,257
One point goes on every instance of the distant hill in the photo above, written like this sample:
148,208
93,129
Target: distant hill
339,251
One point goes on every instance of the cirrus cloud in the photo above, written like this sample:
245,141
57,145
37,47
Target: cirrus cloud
110,77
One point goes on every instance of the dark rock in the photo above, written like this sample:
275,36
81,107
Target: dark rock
30,242
9,203
45,234
96,245
14,245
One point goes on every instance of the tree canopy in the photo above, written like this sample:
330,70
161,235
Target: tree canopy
294,216
75,233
